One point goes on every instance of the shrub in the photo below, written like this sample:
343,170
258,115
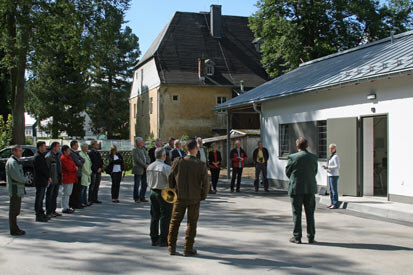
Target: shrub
5,131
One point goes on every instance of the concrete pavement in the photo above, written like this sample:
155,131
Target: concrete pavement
238,233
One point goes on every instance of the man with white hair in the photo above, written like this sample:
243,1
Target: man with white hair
202,156
177,151
332,167
140,164
151,152
161,211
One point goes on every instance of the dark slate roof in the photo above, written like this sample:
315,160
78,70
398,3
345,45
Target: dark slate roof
373,60
187,37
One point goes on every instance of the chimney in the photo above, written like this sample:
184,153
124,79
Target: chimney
201,69
216,29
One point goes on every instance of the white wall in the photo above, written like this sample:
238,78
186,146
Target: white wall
145,78
394,97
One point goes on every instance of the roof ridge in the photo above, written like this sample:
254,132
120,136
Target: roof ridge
367,45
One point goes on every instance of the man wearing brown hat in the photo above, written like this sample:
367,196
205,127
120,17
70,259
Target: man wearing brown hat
189,177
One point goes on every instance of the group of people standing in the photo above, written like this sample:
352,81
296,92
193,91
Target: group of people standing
79,174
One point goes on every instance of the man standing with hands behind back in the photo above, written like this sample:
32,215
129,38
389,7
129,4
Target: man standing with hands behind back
189,177
302,170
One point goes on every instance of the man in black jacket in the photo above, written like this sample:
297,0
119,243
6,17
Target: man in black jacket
151,152
260,158
55,168
74,201
97,167
177,152
41,180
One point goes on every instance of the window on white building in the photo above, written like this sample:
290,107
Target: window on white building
151,105
134,110
142,106
314,131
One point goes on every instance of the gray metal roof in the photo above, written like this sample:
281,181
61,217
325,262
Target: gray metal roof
373,60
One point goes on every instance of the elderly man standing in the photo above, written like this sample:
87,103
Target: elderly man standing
15,186
140,164
202,153
189,177
302,170
168,148
177,151
161,211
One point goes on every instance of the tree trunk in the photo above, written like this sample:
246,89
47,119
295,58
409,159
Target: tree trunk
20,50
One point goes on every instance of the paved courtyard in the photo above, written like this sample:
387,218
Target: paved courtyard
238,233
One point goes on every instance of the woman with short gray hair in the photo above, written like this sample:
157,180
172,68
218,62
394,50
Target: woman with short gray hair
332,167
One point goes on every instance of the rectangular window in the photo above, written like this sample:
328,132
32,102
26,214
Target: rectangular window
141,79
314,131
134,110
151,105
142,106
175,98
284,140
322,138
220,100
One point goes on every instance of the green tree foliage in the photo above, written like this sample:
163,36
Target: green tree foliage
116,52
5,131
294,31
57,86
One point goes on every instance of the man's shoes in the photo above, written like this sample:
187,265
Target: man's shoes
97,201
212,192
115,201
190,253
41,219
68,211
156,242
266,190
89,203
311,241
49,216
333,207
172,251
329,206
55,214
18,233
84,205
144,200
295,240
78,206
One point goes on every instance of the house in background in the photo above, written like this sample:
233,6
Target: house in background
199,60
360,99
29,126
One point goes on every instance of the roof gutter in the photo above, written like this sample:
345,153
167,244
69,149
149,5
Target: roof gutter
320,88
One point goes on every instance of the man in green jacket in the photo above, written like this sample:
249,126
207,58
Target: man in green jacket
141,161
15,185
302,170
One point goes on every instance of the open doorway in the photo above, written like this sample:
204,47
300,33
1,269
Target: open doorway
375,155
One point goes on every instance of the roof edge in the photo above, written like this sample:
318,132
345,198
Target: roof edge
319,88
370,44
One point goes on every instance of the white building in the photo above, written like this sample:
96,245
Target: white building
362,100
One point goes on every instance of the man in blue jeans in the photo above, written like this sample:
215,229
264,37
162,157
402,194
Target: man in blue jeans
141,161
332,168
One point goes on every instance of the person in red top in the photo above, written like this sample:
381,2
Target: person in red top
238,157
69,177
214,160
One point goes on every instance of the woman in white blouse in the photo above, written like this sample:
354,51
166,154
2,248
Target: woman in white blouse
332,167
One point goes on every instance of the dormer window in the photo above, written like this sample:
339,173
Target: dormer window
258,43
209,67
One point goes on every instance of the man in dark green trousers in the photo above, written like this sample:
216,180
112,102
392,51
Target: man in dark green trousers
302,170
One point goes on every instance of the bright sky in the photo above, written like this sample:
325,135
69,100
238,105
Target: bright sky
148,17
